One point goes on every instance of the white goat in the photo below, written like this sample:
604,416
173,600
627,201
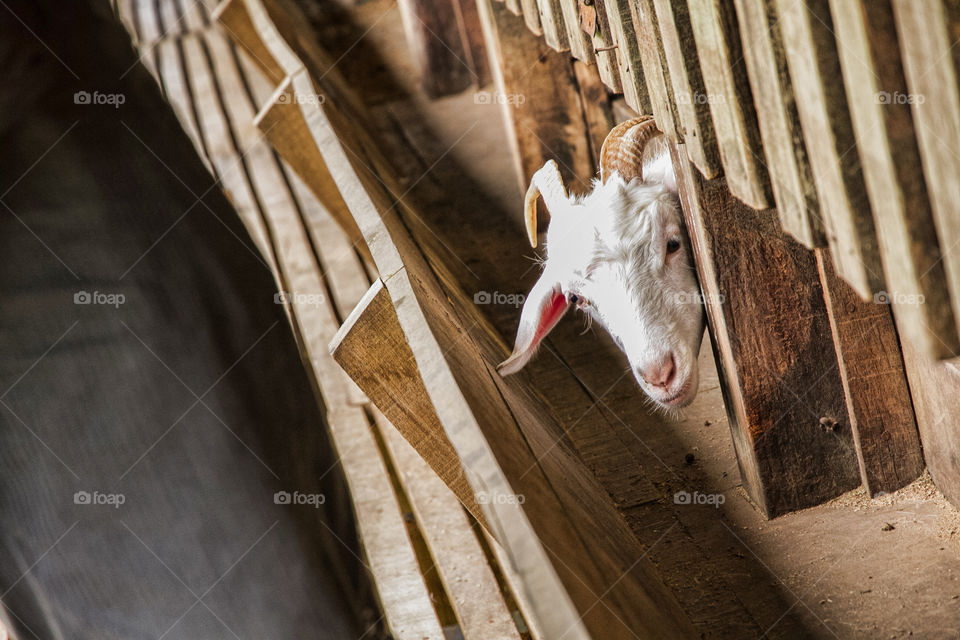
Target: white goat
621,255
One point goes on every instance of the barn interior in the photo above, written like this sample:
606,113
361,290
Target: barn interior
374,157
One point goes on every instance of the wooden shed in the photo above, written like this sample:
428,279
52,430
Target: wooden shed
816,146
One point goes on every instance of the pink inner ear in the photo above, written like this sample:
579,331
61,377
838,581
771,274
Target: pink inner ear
551,314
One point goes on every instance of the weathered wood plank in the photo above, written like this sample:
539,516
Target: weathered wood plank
655,69
580,45
892,167
371,347
794,190
542,108
596,107
433,39
831,143
730,100
769,325
874,384
593,14
928,32
689,92
236,19
551,22
460,561
628,55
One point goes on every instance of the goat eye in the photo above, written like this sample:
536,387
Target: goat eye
673,245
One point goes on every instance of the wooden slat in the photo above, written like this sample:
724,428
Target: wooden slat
831,143
928,32
514,7
236,20
628,55
460,561
689,93
875,385
551,22
283,125
880,109
549,124
580,44
531,16
769,326
596,107
371,347
435,46
791,179
730,100
603,44
655,69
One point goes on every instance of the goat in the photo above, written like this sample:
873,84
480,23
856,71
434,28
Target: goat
619,254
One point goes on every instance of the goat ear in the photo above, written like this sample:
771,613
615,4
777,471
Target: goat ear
542,310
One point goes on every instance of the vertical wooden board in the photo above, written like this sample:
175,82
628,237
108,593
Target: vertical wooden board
880,109
828,132
730,99
545,116
580,45
596,107
551,22
655,70
769,326
604,46
628,55
435,46
874,383
794,190
371,347
689,92
467,578
236,20
531,16
928,32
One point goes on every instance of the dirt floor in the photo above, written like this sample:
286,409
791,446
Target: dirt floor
852,568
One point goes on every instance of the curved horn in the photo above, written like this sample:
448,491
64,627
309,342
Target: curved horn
623,147
548,182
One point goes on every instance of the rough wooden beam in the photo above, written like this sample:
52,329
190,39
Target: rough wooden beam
769,326
371,347
551,22
831,142
628,55
580,44
730,100
689,92
874,383
594,21
787,163
927,34
655,70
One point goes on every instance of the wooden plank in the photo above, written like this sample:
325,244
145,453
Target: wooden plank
467,578
596,107
371,347
655,68
770,328
513,6
282,123
551,22
893,170
730,100
689,92
543,110
593,20
628,55
792,181
234,17
436,48
874,384
514,584
580,44
831,143
471,33
928,32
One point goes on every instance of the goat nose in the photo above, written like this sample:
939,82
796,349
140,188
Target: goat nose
661,374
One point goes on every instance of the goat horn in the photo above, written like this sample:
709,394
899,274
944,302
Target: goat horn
548,182
623,147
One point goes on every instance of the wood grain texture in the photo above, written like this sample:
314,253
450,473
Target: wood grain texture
597,111
655,69
604,46
831,142
928,33
788,166
551,22
880,109
628,55
769,325
875,385
689,92
371,347
549,124
730,100
581,47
